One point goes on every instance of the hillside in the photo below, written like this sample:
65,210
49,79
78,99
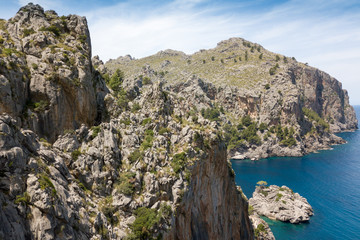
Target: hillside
293,108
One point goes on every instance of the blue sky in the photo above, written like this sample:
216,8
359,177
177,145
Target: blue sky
323,33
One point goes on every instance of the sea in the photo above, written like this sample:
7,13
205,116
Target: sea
329,180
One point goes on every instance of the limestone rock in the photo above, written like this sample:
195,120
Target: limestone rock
280,203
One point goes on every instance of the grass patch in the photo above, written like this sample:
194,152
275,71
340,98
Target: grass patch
45,183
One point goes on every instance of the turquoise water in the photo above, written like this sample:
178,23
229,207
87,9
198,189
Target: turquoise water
329,180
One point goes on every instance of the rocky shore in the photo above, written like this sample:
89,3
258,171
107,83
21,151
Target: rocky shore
280,203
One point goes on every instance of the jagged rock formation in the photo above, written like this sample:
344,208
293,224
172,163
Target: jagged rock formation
261,228
80,161
280,203
300,107
48,82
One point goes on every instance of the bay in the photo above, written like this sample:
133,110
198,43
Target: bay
329,180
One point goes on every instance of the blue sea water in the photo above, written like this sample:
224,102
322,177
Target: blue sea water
329,180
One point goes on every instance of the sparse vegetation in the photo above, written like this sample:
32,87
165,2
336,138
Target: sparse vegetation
125,184
54,29
136,107
260,228
135,155
211,113
45,183
28,32
178,162
24,198
313,116
95,131
75,154
146,81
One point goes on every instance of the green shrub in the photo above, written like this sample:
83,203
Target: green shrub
24,198
146,81
312,115
277,58
263,127
264,193
262,183
246,55
146,121
211,113
34,66
134,156
28,32
278,197
267,86
106,207
116,80
122,99
126,121
53,29
290,141
163,130
82,39
95,131
136,107
260,228
178,162
146,219
212,58
148,140
250,209
40,106
246,121
75,154
45,183
125,183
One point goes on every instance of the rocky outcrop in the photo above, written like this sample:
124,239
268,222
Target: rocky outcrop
280,203
262,230
212,208
49,82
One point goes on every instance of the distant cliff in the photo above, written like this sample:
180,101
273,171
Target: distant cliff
88,155
265,104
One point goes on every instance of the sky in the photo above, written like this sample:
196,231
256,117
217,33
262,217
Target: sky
323,33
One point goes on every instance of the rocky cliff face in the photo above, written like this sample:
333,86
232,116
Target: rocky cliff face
80,161
147,157
196,218
48,82
293,108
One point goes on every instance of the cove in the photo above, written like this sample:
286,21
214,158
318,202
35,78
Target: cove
329,180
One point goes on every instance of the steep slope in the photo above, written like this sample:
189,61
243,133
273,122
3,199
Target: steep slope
49,84
293,108
80,161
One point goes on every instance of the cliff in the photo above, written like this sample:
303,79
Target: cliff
266,104
79,160
48,82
